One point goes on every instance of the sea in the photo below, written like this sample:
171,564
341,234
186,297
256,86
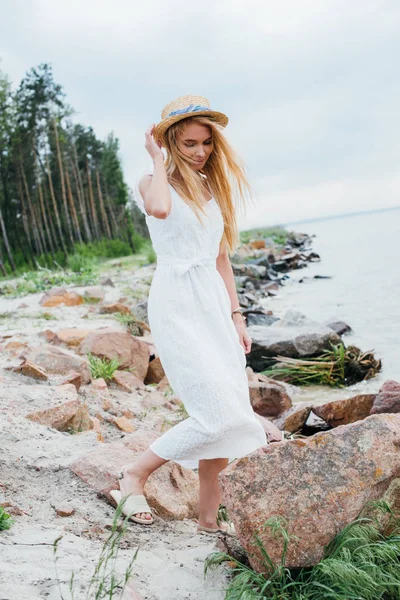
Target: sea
360,255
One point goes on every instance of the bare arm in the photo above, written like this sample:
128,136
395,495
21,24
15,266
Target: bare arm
224,268
154,188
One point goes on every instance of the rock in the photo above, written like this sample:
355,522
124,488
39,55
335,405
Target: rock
128,350
294,419
269,399
115,307
124,424
140,310
339,327
94,294
49,336
263,319
140,440
386,522
163,384
60,295
153,399
55,360
387,399
72,416
99,384
64,510
257,244
171,489
173,492
15,345
249,270
127,382
74,378
155,371
342,412
107,281
319,485
97,428
294,335
29,369
72,336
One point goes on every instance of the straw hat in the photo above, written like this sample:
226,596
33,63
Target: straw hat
184,107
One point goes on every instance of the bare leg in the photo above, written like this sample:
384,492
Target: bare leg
137,473
210,493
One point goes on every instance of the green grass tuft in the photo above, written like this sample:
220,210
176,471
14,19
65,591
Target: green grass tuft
102,367
5,520
360,563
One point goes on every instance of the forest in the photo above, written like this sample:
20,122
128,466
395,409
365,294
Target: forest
62,190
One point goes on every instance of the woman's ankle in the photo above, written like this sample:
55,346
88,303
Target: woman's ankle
133,471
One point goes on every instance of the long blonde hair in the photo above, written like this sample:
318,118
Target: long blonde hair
225,176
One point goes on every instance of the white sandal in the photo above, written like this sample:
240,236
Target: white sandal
133,506
229,530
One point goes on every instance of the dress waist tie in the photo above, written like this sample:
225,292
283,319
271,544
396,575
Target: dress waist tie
185,265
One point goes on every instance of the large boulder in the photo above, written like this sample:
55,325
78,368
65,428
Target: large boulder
131,352
318,485
387,399
171,490
343,412
54,360
294,335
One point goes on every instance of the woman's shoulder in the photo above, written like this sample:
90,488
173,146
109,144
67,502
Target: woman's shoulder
140,190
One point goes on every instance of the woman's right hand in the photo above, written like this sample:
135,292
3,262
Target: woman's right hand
152,147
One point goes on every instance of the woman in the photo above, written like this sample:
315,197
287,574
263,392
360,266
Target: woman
193,309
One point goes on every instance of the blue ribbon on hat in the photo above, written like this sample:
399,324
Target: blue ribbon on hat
190,108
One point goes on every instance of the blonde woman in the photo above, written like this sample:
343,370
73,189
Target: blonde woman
193,309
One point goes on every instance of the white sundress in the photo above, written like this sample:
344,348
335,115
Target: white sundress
189,312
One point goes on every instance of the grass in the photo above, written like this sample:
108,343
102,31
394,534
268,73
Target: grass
102,367
279,235
33,282
80,267
5,520
104,582
337,367
360,563
130,322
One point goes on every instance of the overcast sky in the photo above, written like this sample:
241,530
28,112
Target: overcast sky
311,87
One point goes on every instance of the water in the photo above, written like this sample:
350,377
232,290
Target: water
361,254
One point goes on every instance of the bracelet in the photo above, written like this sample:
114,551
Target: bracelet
238,310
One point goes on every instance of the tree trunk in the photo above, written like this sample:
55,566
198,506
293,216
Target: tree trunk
102,208
73,209
117,232
38,244
81,194
62,179
25,226
53,198
45,220
92,204
6,242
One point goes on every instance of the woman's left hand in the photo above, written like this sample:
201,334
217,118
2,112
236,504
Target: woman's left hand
244,337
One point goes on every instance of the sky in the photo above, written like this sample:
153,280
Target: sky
311,87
